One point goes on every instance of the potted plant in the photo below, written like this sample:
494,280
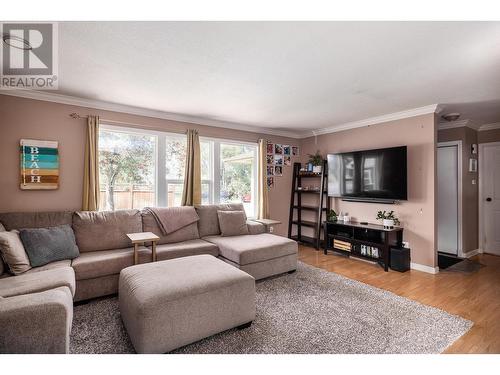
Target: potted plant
388,219
317,161
331,216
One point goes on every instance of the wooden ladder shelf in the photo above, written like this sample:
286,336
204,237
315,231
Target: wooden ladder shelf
322,206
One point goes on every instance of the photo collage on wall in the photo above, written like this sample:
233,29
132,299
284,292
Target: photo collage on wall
279,156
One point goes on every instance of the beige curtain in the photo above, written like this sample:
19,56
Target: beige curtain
263,209
91,167
191,194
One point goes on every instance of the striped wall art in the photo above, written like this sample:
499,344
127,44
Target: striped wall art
39,165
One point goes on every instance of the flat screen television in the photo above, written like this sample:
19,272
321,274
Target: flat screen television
372,175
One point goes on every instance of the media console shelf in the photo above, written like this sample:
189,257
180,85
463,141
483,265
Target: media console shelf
367,241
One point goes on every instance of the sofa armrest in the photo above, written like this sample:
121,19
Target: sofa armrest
255,227
37,322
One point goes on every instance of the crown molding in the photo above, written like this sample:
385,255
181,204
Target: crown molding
434,108
455,124
122,108
495,125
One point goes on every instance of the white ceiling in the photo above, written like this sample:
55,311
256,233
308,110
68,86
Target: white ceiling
292,76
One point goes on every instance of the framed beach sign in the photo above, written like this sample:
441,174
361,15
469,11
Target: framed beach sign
39,165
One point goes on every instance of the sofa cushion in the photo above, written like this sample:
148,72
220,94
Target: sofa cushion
232,223
255,227
209,221
186,248
51,266
2,228
13,253
253,248
105,230
149,224
100,263
38,282
21,220
45,245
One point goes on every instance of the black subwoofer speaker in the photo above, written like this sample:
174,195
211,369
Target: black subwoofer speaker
400,259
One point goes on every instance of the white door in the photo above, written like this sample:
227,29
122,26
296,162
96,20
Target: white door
447,171
490,196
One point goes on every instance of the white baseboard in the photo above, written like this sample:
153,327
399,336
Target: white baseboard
422,268
472,253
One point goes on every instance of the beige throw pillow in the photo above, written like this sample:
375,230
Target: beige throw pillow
232,223
13,253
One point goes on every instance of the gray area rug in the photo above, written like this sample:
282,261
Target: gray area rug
310,311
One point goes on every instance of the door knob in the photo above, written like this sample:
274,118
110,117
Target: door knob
488,199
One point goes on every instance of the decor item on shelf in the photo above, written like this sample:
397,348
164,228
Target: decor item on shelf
388,219
331,216
317,161
347,218
39,165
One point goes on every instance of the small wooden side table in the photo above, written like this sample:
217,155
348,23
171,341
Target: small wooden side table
267,223
142,238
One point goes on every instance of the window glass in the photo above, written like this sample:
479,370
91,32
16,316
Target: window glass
175,158
237,175
126,170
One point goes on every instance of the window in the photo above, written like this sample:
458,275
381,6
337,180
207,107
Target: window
238,174
132,163
127,170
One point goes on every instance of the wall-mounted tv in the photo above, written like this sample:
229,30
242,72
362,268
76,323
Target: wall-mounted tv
372,175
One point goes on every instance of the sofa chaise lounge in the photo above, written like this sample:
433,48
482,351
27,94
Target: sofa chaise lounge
104,251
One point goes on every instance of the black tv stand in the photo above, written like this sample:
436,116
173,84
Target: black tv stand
360,236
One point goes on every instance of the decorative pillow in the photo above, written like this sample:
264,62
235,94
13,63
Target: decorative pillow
13,253
2,228
232,223
46,245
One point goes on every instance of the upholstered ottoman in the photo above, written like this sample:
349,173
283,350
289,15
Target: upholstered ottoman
172,303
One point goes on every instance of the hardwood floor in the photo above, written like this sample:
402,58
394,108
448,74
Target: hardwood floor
474,296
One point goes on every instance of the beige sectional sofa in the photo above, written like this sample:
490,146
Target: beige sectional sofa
46,293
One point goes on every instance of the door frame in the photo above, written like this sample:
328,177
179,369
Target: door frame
457,143
481,172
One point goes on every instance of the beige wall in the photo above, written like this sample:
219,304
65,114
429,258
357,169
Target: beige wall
418,213
486,136
470,205
33,119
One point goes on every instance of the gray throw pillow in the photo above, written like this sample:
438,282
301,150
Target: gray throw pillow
46,245
232,223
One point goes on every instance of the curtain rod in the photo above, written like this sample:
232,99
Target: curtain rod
77,116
